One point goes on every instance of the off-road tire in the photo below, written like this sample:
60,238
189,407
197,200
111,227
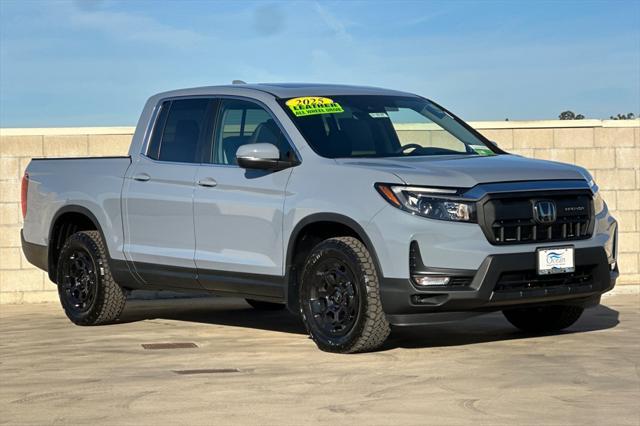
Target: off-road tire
109,299
265,306
543,319
371,327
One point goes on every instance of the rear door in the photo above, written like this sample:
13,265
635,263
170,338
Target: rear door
158,194
239,212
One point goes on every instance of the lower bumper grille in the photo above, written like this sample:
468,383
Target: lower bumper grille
530,280
460,281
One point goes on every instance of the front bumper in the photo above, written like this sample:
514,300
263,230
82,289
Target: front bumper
502,280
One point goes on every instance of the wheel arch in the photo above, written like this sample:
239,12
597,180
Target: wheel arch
334,224
83,220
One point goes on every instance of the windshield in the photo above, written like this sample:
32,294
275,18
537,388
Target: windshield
380,126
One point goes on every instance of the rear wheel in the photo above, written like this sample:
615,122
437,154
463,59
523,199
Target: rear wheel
340,297
265,306
87,291
546,318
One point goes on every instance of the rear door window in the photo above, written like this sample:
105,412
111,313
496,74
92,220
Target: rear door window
182,132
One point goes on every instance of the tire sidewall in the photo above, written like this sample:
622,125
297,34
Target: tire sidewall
323,251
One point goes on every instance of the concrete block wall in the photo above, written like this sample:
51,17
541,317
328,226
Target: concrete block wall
609,149
19,281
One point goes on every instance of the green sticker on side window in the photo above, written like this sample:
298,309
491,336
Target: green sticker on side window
312,105
482,150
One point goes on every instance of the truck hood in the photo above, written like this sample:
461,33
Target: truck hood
464,171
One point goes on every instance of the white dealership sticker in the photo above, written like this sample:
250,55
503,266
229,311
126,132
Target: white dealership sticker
482,150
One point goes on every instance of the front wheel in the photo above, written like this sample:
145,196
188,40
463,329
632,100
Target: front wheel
340,297
87,291
543,319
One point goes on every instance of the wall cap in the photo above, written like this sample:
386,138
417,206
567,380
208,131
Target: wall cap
66,131
553,124
480,125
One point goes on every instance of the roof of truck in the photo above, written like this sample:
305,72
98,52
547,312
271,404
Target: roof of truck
290,90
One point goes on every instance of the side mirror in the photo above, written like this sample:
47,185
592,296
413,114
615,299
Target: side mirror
264,156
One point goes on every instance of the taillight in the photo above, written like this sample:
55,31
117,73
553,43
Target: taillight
23,194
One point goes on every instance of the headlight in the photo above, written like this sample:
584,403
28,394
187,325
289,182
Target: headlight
428,202
598,202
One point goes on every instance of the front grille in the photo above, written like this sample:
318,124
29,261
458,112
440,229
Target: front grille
506,231
510,220
530,280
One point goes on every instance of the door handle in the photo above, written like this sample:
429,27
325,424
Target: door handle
141,177
207,182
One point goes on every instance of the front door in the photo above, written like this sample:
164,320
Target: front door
239,212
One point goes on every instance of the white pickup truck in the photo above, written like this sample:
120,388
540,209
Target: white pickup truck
314,198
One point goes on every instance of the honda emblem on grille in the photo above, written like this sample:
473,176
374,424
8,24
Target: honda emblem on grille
544,211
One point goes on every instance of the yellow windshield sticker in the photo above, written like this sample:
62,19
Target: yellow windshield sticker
312,105
482,150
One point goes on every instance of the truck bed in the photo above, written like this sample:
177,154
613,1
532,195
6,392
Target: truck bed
77,184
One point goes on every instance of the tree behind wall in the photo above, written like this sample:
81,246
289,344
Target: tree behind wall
570,115
629,116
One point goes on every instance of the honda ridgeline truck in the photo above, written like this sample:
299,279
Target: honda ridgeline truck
358,208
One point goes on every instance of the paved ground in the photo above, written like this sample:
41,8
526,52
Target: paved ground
480,371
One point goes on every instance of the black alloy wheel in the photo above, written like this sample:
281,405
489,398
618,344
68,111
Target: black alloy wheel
333,298
79,284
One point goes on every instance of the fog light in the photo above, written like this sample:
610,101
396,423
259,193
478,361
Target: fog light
612,266
430,280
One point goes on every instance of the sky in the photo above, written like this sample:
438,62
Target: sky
95,62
